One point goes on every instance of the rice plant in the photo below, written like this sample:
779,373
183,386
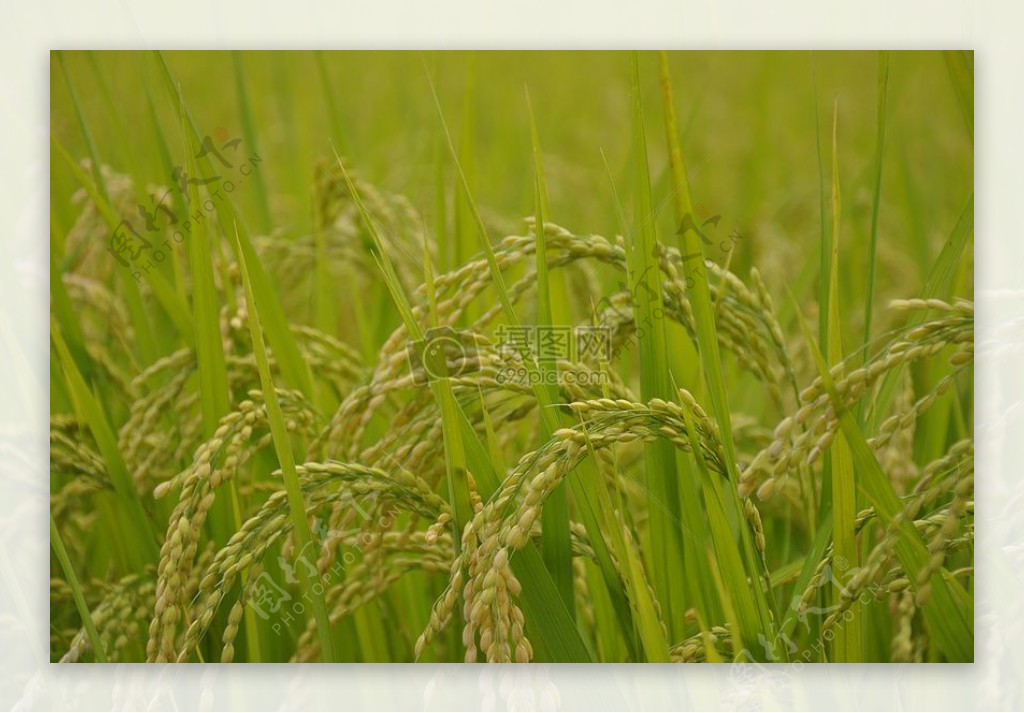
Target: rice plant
362,357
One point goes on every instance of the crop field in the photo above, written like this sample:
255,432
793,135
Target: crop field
512,357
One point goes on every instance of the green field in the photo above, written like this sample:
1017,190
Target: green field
512,356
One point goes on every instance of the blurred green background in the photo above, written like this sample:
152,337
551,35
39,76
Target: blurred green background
748,120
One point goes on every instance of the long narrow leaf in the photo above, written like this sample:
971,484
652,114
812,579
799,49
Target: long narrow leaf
283,448
949,612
